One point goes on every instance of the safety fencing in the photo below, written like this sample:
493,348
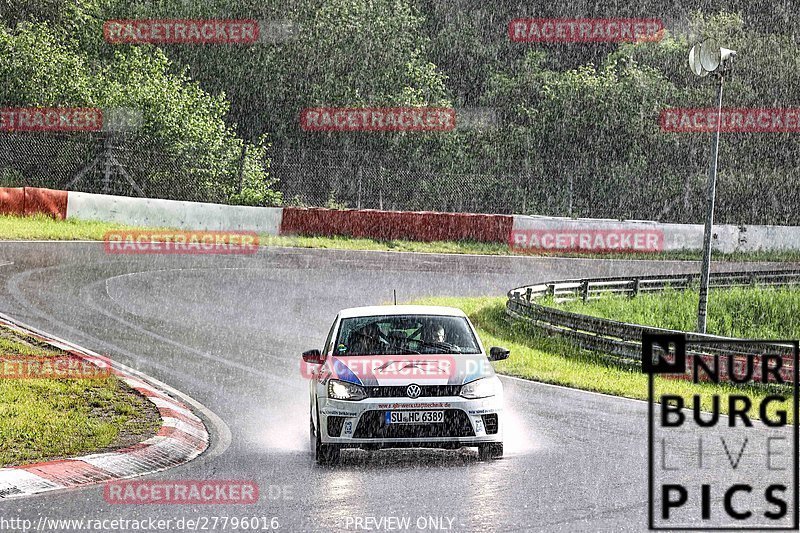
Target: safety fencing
620,341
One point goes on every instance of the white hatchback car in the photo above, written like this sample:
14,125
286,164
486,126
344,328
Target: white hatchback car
404,376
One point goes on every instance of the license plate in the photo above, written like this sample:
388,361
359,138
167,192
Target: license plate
414,417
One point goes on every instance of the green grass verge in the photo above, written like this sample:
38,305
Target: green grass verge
556,361
747,312
40,227
351,243
44,419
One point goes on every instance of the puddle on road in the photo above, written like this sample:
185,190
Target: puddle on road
288,431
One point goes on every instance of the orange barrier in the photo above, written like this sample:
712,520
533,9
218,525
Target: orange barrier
12,201
32,200
385,225
46,201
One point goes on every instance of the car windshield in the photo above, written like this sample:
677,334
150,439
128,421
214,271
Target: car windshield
398,334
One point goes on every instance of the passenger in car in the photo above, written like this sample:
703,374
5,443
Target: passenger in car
367,341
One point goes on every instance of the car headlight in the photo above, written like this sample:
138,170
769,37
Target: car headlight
480,388
342,390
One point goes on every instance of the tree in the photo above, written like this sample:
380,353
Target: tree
184,150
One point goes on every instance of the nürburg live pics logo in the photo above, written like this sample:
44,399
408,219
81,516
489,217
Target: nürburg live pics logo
723,456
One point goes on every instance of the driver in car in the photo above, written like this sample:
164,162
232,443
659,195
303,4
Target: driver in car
433,338
437,333
367,340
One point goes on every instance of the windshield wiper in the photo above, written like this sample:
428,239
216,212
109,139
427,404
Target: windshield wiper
408,350
445,347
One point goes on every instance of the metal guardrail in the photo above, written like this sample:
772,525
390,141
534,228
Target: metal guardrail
623,341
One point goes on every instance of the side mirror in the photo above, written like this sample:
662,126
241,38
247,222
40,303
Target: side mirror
498,354
313,357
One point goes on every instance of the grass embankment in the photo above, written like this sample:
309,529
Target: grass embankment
554,360
43,418
754,313
40,227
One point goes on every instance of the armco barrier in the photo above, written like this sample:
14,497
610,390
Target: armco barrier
621,340
32,201
384,225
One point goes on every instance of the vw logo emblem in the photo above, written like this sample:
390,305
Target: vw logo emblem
413,391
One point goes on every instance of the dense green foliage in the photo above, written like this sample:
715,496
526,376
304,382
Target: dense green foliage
577,124
55,56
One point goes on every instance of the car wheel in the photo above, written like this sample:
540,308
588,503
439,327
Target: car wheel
492,450
325,454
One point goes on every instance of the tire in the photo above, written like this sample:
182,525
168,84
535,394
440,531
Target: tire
325,454
492,450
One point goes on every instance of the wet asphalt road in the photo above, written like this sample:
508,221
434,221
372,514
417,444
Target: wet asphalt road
228,331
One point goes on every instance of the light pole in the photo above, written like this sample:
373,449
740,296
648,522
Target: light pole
709,58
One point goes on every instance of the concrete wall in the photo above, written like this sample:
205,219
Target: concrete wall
32,201
765,238
523,233
149,212
671,237
388,225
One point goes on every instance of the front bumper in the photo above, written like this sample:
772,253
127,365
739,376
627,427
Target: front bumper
363,423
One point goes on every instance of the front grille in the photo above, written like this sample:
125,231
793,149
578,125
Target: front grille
335,425
373,426
399,391
490,423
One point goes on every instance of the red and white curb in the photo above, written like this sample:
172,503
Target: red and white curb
182,437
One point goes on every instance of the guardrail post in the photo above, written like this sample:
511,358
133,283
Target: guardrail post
528,294
635,287
608,337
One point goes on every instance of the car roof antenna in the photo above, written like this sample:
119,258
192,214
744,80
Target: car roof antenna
395,296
